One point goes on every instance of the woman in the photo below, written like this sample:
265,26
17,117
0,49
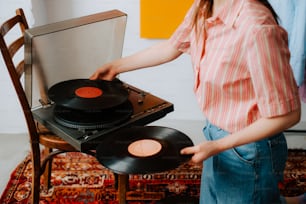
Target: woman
245,88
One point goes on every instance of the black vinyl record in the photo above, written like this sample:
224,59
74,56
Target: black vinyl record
85,94
93,119
140,150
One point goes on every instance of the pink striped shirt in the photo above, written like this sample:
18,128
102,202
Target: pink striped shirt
241,65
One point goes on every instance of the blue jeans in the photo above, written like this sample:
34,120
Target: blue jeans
248,174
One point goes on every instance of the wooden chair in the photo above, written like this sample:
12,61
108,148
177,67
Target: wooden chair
39,135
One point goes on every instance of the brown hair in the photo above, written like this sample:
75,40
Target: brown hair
206,6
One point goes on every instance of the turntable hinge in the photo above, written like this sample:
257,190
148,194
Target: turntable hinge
45,104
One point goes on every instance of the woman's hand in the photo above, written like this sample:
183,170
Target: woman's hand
202,151
106,72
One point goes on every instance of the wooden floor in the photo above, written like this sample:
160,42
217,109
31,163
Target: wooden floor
13,149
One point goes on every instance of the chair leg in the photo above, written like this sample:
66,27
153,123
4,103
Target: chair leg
35,194
47,171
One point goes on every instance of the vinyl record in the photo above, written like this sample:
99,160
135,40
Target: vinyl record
93,119
85,94
140,150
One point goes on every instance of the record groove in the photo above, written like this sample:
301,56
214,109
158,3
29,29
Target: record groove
85,94
113,151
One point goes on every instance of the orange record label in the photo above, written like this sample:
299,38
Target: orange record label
88,92
144,148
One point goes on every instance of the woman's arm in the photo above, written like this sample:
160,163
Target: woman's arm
260,129
157,54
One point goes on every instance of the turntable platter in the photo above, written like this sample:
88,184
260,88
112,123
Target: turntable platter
85,94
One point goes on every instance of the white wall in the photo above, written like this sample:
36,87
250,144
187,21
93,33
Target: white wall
11,118
172,81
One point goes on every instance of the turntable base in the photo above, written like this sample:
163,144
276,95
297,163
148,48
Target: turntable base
147,108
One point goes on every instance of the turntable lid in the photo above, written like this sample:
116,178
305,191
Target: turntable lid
70,49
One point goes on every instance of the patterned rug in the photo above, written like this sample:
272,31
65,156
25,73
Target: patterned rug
78,178
295,174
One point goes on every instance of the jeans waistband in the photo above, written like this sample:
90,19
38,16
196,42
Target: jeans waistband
271,138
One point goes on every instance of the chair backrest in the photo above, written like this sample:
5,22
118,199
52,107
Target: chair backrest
16,72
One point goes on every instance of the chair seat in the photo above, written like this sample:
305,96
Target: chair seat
49,139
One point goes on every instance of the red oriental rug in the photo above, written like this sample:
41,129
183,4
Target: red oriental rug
78,179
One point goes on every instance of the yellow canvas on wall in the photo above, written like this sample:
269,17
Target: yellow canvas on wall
160,18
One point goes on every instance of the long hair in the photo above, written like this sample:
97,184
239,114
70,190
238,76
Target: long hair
207,7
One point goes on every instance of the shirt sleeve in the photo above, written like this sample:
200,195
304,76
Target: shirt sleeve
272,77
292,15
180,39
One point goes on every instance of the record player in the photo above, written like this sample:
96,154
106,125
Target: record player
72,50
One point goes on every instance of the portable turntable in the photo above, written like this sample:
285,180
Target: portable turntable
70,51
